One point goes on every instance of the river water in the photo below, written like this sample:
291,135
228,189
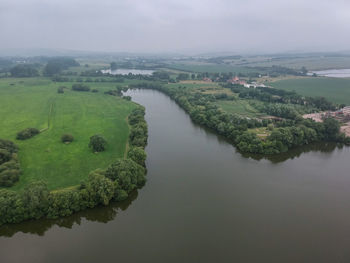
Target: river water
333,73
205,202
128,71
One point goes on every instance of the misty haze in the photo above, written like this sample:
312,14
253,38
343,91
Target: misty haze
175,131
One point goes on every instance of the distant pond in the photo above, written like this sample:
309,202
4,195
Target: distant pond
128,71
333,73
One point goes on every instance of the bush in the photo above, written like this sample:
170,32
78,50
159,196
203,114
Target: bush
80,87
94,90
97,143
60,89
27,133
66,138
9,165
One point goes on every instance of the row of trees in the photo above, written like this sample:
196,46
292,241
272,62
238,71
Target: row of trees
203,111
9,165
115,183
273,95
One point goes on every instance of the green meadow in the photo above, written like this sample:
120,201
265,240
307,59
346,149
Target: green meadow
334,89
35,103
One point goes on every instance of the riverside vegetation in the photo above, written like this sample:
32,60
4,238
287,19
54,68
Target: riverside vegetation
115,182
211,105
285,133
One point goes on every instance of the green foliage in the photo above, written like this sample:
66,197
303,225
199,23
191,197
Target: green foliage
139,131
56,65
288,133
138,155
67,138
61,89
331,127
127,174
24,70
27,133
80,87
9,166
44,157
97,143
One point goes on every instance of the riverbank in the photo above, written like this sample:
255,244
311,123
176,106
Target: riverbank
115,182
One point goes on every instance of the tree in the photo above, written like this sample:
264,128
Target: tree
127,174
138,155
332,127
97,143
24,70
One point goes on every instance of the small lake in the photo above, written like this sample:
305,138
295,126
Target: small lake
128,71
333,73
205,202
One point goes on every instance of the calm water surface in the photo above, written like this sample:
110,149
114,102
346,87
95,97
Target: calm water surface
333,73
128,71
204,202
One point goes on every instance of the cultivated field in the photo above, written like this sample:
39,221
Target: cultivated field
334,89
35,103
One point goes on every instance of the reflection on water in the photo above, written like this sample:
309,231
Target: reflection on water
101,214
322,147
204,202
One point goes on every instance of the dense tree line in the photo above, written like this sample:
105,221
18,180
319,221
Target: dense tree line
24,71
115,183
56,65
9,165
298,131
138,131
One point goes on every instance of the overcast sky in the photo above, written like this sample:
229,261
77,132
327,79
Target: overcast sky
176,25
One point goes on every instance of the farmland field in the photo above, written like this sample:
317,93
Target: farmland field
35,103
334,89
240,107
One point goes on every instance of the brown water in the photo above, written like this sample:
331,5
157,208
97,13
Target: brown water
204,202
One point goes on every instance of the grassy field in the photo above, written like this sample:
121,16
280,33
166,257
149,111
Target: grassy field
335,89
240,107
211,68
36,103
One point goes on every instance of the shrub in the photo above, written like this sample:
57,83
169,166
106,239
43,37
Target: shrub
97,143
80,87
94,90
27,133
66,138
9,165
60,89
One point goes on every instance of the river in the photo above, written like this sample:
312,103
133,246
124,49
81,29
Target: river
204,202
332,73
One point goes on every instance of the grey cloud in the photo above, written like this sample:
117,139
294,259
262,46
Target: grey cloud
182,25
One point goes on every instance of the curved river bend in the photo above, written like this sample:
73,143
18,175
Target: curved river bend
204,202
